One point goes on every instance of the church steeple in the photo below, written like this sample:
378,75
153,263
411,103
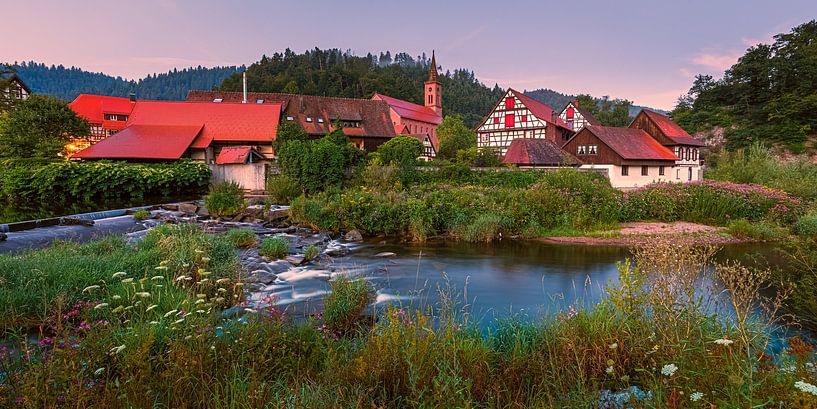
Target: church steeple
433,88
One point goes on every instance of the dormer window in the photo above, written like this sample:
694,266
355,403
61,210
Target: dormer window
320,120
309,119
290,118
218,99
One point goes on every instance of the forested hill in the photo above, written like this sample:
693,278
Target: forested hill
769,95
557,100
339,73
66,83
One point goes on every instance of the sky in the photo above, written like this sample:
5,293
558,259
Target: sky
641,50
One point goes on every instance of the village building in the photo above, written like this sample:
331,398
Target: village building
12,88
688,166
538,153
576,117
429,145
105,114
518,116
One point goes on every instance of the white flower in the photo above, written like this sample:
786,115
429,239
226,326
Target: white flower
250,310
116,350
696,396
151,307
99,371
154,278
90,288
100,305
205,259
127,280
669,369
613,345
169,313
609,370
117,297
143,294
806,387
723,341
119,274
178,321
160,268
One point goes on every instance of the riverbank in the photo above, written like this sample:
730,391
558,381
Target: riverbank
636,234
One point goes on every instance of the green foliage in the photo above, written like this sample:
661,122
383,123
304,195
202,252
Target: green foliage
84,181
141,214
806,225
454,136
610,112
744,229
801,255
382,178
274,247
402,151
282,188
768,95
39,127
487,158
289,131
318,165
311,252
242,238
343,306
224,199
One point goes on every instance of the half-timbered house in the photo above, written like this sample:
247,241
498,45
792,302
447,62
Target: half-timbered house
576,117
12,89
518,116
668,133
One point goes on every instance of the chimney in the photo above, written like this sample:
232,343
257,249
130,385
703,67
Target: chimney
132,97
245,88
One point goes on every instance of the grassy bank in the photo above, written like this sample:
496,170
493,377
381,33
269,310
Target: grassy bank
159,339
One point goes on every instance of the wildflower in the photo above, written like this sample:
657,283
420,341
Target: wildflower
99,371
199,301
151,307
201,311
199,251
116,350
143,294
203,280
100,305
119,274
179,321
696,396
118,309
806,387
154,278
205,259
609,370
169,313
188,338
161,268
201,295
117,297
180,278
222,280
153,322
127,280
249,310
724,341
90,288
613,346
669,369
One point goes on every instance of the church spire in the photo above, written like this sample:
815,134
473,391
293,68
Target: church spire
432,72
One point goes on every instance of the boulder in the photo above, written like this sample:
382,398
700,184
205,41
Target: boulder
295,260
4,236
188,208
385,254
171,207
277,214
261,277
353,235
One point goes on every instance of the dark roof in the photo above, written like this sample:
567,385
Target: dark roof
631,144
15,78
237,155
411,110
671,129
585,113
542,152
373,115
161,142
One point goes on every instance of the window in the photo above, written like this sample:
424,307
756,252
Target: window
259,101
289,118
509,103
509,121
582,150
645,171
524,118
218,99
660,171
678,174
115,117
690,174
625,170
593,149
496,119
695,154
569,113
309,119
320,120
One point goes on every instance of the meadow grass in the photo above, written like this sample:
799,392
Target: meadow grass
274,247
242,238
163,342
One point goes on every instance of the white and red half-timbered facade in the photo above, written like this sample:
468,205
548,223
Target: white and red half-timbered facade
575,117
518,116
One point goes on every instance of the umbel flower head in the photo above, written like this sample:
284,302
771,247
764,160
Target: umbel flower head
669,369
806,387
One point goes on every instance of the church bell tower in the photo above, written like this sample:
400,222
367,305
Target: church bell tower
433,88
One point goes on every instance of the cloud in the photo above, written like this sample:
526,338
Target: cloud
716,60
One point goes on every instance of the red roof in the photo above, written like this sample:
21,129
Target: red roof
671,129
540,110
236,155
220,121
143,142
410,110
632,144
401,129
94,107
542,152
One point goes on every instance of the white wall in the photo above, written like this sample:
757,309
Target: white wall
251,176
634,179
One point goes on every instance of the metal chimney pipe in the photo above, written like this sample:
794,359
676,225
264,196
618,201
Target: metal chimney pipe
245,87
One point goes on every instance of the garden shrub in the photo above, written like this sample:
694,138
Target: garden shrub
283,189
343,306
274,247
141,214
311,252
224,199
759,230
807,224
242,238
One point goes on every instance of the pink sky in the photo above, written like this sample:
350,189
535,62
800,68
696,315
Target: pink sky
646,51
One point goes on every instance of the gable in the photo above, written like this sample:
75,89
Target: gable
518,108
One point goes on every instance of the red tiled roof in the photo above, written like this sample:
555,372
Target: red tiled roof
540,152
373,116
410,110
94,107
221,121
632,144
540,110
401,129
671,129
235,155
143,142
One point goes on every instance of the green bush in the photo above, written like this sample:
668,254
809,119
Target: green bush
311,252
381,178
242,238
282,189
342,307
318,165
759,230
141,214
224,199
274,247
807,224
66,181
402,151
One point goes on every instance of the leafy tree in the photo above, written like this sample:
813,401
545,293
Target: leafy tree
39,127
402,150
289,131
610,112
454,136
6,101
318,165
487,157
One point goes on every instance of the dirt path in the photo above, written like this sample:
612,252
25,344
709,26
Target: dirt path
639,233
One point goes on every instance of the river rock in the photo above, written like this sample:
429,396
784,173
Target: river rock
171,207
295,260
260,277
277,214
188,208
3,236
353,235
385,254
